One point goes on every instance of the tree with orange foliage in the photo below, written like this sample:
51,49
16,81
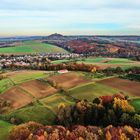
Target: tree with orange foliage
108,135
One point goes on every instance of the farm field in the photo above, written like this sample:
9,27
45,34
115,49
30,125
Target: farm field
104,62
34,98
128,86
23,76
61,61
5,84
76,85
91,90
38,89
112,62
17,97
5,129
31,47
22,87
36,112
54,101
68,80
27,91
18,77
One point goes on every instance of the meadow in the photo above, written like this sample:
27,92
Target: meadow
35,112
91,90
31,47
103,62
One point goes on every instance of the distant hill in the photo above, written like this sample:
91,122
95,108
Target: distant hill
55,36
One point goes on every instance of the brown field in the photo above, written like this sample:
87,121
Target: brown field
38,89
68,80
13,73
17,97
104,65
131,87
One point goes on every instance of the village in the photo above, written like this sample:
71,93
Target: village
34,59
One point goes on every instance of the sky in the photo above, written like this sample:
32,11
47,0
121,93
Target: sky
69,17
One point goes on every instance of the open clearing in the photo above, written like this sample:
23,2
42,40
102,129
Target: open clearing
38,89
55,100
131,87
68,80
31,47
91,90
17,97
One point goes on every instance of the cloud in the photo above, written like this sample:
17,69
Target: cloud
69,16
67,4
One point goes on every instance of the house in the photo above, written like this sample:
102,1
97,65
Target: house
62,71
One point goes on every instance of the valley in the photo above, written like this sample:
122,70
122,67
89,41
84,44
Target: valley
40,82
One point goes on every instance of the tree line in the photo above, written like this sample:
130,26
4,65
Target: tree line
54,67
103,111
36,131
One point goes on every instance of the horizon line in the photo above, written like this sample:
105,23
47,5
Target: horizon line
10,36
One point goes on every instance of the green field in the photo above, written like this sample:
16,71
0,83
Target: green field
93,60
5,129
5,84
27,76
32,47
86,60
36,112
114,62
92,90
55,100
136,103
60,61
119,61
104,62
20,77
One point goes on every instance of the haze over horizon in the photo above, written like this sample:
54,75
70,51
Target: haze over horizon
69,17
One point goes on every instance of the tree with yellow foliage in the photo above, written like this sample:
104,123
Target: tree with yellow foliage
94,69
123,137
123,105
